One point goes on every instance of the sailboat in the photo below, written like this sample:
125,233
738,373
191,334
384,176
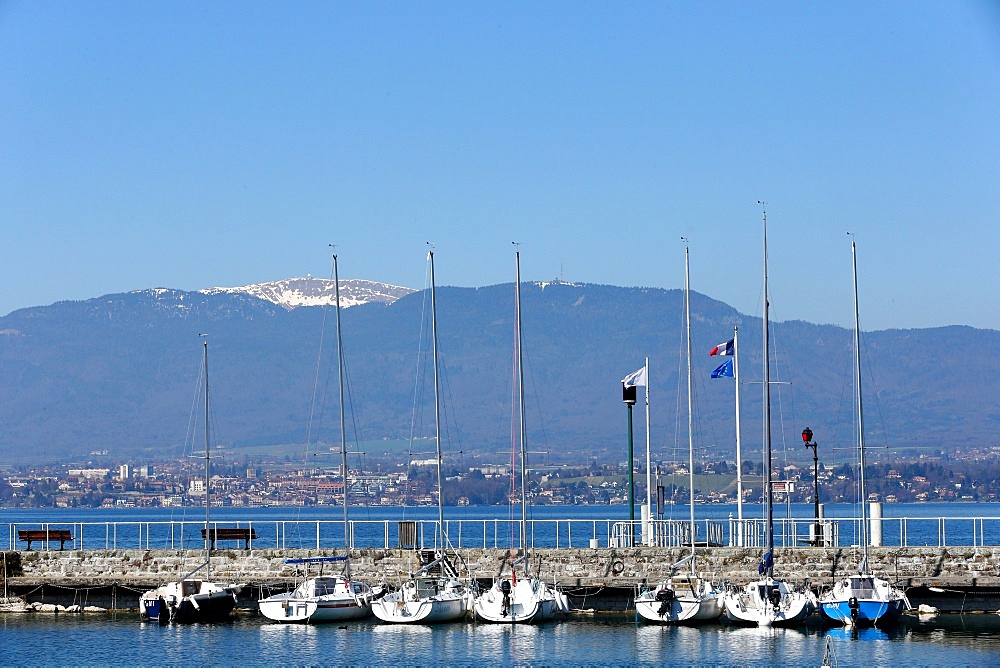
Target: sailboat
768,601
525,599
426,598
189,599
862,598
683,598
325,598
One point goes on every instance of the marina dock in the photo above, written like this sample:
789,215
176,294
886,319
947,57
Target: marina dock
952,579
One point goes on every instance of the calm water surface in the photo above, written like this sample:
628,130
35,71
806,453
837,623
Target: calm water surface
581,640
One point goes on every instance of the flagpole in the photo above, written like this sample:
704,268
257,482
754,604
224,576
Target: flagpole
739,457
649,480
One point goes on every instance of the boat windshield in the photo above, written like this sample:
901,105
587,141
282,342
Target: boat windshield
326,586
863,587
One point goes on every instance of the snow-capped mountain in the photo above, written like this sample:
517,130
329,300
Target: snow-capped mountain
117,371
291,293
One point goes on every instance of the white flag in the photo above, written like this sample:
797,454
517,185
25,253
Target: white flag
635,378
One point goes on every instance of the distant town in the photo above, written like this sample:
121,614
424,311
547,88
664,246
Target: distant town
972,475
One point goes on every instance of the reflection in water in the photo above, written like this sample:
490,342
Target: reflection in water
592,640
402,643
869,645
768,645
505,643
403,632
866,633
663,642
274,635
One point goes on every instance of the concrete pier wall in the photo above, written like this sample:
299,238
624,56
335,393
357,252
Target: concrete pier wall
908,565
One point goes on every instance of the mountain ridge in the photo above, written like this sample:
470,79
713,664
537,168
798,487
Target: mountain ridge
116,372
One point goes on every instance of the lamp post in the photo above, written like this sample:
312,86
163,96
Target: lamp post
807,435
628,396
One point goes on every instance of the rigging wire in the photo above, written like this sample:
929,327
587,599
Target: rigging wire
319,360
417,393
680,392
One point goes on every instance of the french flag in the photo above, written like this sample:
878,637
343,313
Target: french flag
724,348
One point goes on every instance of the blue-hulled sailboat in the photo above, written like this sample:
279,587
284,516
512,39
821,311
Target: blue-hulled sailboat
862,598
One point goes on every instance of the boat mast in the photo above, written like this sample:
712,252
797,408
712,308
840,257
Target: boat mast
343,430
520,399
739,455
208,474
861,420
687,324
437,404
768,485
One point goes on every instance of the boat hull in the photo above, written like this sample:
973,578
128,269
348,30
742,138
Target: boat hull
680,600
768,603
869,611
316,610
686,610
319,600
188,601
863,599
424,600
285,608
529,601
422,611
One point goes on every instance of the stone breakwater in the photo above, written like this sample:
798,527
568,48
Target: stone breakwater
966,569
962,579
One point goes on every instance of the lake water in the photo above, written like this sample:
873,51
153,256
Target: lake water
580,640
926,524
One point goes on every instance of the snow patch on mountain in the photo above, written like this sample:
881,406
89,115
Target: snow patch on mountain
292,293
557,281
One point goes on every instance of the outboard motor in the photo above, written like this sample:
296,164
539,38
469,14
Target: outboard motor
505,590
774,596
163,612
852,603
665,597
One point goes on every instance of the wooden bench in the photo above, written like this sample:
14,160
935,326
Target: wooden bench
29,535
246,535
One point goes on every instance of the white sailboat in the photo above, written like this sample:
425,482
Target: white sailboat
426,598
189,599
683,598
862,598
325,598
526,598
768,601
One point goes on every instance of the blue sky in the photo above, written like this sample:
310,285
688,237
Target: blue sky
194,144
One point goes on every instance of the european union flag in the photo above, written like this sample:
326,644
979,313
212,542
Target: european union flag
724,370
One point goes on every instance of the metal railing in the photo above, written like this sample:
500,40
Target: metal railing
318,534
505,533
665,533
787,533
